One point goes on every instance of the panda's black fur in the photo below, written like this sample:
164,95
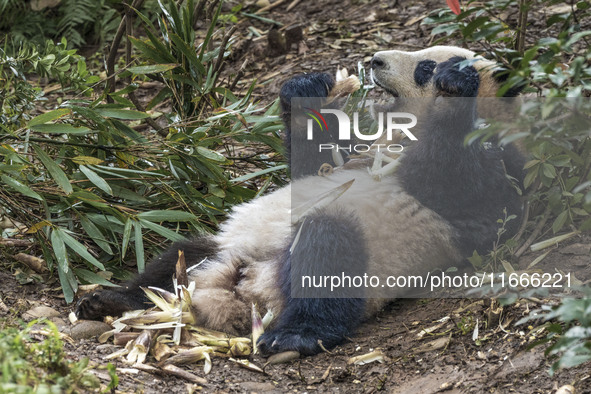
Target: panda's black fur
424,72
441,205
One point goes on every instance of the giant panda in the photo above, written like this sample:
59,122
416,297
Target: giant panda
441,204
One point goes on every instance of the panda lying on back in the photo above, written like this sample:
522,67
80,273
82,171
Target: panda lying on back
441,204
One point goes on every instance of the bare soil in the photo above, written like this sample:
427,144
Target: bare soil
450,358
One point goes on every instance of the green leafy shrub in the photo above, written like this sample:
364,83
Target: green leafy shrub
78,21
34,366
558,179
559,170
190,73
94,191
55,61
569,329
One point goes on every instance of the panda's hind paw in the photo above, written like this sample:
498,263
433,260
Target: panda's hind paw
281,340
455,81
93,306
98,304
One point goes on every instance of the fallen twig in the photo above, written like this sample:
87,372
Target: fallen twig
23,243
181,373
293,4
35,263
270,6
171,370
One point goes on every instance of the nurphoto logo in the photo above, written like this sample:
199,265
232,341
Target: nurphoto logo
399,121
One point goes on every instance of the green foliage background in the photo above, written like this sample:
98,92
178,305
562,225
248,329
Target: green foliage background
90,188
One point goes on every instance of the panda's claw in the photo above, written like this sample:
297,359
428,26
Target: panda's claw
281,340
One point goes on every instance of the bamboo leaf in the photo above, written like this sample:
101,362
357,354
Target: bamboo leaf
58,175
127,194
126,235
139,247
125,114
128,131
97,236
19,187
258,173
96,179
65,281
61,128
209,34
153,68
59,249
126,171
145,19
167,216
210,154
152,53
169,234
189,52
38,226
91,277
552,241
49,116
81,250
86,160
106,221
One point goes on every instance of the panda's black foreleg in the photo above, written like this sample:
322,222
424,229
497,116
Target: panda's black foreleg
158,273
303,154
328,246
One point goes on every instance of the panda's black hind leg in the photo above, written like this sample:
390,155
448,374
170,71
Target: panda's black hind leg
328,245
159,272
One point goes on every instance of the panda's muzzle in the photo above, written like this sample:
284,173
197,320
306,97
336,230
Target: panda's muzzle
379,65
375,80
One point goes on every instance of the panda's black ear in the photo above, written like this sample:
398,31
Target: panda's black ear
452,81
501,76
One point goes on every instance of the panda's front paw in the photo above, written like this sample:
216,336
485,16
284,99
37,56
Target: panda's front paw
453,81
305,85
281,340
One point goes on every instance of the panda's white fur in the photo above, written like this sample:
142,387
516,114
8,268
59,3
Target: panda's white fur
258,231
247,261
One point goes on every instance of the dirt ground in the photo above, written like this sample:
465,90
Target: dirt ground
450,357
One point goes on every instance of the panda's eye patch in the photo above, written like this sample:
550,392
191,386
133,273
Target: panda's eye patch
424,71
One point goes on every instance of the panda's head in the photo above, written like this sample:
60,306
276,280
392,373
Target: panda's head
410,74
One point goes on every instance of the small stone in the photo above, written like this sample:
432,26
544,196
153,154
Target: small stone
88,329
38,312
567,389
262,3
